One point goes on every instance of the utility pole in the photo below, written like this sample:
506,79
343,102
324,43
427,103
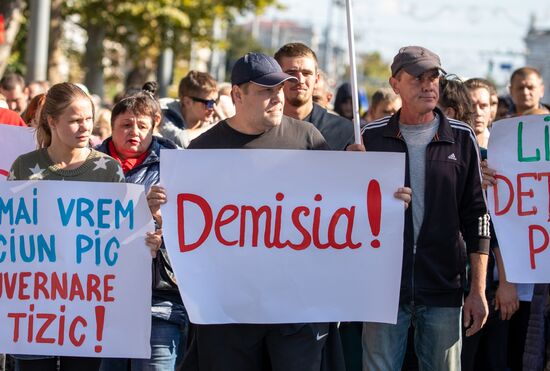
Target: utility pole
37,47
165,67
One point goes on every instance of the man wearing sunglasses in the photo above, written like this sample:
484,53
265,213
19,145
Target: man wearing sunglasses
193,114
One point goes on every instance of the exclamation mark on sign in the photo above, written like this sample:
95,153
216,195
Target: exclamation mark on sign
100,321
374,210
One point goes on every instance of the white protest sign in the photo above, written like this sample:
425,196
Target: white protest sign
519,150
281,236
14,141
75,273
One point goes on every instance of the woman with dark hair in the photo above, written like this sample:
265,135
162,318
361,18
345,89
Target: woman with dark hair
135,147
454,99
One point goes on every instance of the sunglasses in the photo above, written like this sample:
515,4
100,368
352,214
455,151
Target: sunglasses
209,103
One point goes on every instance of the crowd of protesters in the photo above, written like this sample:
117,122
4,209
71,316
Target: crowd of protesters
447,319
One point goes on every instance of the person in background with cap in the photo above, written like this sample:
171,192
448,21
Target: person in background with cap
300,61
443,172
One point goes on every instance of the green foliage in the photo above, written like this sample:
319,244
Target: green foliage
17,59
147,26
375,71
238,43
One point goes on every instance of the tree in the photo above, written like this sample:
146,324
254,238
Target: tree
12,11
238,43
146,27
375,71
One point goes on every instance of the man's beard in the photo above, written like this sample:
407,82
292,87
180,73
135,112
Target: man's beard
298,101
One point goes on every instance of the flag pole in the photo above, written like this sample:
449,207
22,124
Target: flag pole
353,74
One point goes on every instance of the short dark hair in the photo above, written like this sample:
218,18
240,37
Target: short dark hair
141,103
453,94
10,80
524,72
195,83
295,50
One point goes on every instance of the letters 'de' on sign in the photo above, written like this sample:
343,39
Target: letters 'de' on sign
519,150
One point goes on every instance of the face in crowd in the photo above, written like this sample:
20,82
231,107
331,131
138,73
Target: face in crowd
386,108
419,94
526,92
494,106
132,134
200,107
300,92
321,93
73,127
16,98
260,106
481,102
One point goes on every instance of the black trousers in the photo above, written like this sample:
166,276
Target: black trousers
65,364
253,347
487,349
517,334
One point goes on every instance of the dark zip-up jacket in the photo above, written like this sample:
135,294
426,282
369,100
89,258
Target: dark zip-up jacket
433,270
337,130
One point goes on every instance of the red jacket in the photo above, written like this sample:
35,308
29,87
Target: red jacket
9,117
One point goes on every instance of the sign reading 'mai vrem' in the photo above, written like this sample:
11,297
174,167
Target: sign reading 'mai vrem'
75,273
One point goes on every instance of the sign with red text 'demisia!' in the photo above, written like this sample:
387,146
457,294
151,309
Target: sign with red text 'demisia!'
14,141
519,150
75,273
283,236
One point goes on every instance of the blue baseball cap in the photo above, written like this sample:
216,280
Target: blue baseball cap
260,69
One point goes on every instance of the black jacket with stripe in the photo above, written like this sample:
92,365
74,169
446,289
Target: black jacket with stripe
433,272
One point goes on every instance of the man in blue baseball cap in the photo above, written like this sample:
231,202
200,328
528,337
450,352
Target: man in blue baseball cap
257,91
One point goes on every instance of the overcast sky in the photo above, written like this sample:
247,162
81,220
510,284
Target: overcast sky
466,34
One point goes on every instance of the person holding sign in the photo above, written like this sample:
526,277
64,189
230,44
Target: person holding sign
487,349
257,91
443,172
136,148
63,136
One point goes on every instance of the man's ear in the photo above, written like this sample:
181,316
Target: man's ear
237,94
393,83
185,101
